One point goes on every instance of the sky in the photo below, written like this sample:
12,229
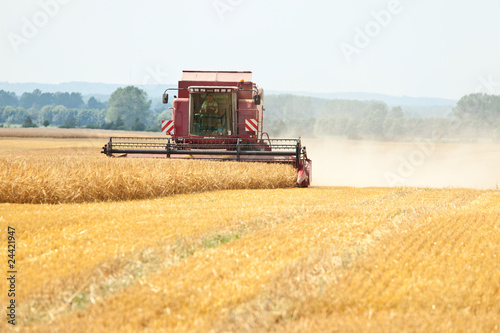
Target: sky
418,48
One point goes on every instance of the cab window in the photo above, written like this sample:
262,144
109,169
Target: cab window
210,114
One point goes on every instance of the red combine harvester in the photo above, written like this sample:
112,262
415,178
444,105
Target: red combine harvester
218,116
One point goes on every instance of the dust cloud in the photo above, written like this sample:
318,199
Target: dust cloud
422,164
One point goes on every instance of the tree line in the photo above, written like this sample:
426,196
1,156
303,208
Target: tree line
474,116
38,99
126,109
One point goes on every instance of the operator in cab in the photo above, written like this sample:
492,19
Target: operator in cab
210,106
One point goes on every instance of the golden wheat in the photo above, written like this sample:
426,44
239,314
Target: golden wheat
62,179
285,259
441,273
51,170
317,259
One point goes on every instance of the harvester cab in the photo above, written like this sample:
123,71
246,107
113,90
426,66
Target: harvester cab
217,115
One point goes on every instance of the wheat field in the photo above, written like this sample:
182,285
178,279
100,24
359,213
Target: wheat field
65,170
263,260
236,260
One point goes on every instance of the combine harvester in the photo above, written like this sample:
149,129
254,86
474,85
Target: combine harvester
217,116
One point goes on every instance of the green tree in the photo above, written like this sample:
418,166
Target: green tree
478,106
28,122
395,112
29,100
138,125
8,98
14,115
59,114
70,122
93,103
45,113
119,124
8,113
73,100
46,122
88,117
128,103
373,122
165,115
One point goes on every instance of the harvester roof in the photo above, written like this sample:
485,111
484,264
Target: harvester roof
217,76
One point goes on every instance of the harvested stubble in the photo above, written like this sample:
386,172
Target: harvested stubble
336,258
435,274
41,178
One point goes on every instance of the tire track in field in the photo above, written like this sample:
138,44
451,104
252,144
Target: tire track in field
114,274
246,259
313,230
80,251
447,282
410,216
383,282
318,270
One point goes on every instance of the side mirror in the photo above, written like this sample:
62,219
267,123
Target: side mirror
165,98
256,99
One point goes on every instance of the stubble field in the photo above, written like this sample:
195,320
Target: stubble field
274,258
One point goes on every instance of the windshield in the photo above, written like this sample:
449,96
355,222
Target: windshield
210,114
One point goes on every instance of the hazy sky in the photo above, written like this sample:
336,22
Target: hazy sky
399,47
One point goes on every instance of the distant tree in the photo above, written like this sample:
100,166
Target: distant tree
138,125
373,122
353,129
28,122
62,99
377,110
46,113
37,99
46,99
88,117
395,112
110,125
8,99
14,115
30,100
394,128
70,122
128,103
93,103
165,115
59,114
71,101
119,124
76,101
7,114
478,106
46,123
